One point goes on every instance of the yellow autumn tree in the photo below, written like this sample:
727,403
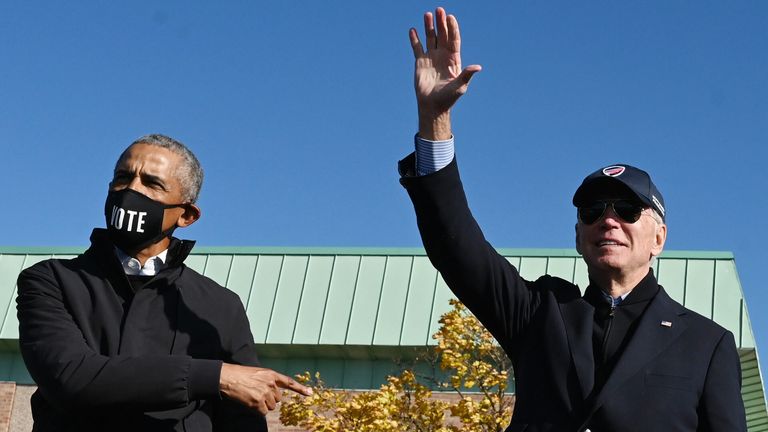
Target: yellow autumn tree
475,367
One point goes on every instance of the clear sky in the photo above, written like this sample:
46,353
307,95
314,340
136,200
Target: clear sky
300,111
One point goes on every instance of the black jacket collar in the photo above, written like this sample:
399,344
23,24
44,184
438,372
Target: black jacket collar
645,290
178,250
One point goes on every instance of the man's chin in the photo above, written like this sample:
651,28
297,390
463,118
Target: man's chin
605,263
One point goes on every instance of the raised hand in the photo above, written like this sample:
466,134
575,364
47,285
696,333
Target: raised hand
439,79
257,388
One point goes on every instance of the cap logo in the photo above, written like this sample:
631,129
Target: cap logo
614,171
658,204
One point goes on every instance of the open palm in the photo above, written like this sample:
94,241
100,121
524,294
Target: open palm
439,79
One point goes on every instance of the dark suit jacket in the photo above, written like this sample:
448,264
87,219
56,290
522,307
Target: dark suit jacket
681,376
106,358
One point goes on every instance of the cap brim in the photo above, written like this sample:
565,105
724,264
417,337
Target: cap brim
605,188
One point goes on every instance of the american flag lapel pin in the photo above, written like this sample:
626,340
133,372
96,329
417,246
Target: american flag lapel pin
666,323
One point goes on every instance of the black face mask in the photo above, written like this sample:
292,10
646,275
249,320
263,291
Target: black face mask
134,220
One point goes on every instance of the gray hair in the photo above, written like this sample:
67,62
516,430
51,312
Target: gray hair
190,173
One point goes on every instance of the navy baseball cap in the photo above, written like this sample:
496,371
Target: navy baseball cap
624,176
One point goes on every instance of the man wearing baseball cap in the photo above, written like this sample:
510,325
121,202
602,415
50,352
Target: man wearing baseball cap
623,356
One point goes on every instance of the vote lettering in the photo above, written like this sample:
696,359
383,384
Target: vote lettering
118,218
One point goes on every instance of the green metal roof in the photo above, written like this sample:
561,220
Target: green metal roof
356,308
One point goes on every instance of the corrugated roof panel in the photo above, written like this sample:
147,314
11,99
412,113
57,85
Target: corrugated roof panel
726,296
672,272
10,267
700,276
747,338
752,391
313,300
196,262
581,276
418,306
13,265
241,273
389,321
63,256
262,297
284,313
440,306
561,267
365,305
10,329
514,260
532,267
218,268
337,308
372,294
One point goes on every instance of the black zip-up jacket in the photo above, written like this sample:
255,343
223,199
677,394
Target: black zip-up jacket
107,358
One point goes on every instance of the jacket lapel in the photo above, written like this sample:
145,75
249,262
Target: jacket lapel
659,326
577,317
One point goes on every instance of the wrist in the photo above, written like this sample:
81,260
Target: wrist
435,127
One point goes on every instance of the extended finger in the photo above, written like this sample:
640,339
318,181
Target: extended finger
454,36
429,30
442,28
291,384
269,401
461,83
418,50
262,408
466,75
277,393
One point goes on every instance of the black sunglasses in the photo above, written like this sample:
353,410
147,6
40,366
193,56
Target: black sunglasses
628,211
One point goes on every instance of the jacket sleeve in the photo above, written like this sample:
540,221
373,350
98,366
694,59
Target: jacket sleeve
481,278
69,373
229,415
721,407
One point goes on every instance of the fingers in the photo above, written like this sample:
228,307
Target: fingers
429,30
442,28
466,75
442,32
289,383
461,83
271,401
418,50
454,37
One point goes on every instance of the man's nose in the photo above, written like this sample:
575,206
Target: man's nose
609,217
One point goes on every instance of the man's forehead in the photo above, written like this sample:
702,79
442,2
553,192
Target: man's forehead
147,158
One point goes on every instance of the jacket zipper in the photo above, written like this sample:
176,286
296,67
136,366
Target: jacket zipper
607,333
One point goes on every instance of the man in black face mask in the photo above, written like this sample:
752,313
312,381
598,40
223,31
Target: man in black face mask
125,337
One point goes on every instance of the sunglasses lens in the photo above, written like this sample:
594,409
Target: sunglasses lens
592,213
628,211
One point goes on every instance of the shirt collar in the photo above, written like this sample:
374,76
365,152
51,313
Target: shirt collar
615,301
132,266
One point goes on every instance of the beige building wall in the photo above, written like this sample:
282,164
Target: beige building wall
16,416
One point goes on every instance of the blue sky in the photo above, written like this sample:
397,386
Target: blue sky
299,113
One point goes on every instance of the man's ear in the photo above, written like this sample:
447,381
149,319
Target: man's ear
659,239
190,215
578,238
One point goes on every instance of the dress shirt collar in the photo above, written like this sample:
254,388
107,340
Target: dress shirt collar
132,266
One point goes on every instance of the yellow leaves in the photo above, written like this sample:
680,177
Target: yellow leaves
465,351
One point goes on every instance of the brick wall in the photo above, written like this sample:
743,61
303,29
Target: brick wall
15,415
7,393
